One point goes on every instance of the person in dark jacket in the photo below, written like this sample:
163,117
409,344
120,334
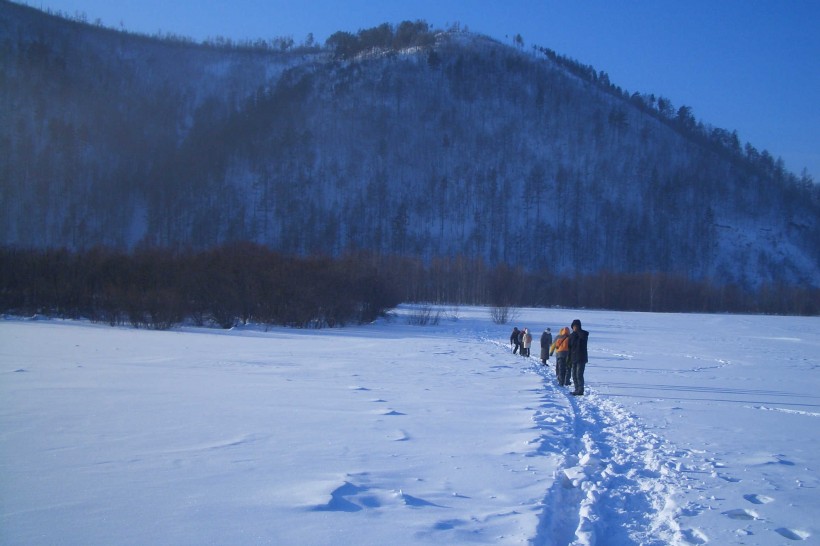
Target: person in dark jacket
578,354
514,339
546,341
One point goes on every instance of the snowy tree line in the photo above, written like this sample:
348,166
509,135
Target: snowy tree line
722,141
248,283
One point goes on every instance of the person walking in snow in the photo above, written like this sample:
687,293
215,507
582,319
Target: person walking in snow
578,353
514,339
561,349
526,342
546,341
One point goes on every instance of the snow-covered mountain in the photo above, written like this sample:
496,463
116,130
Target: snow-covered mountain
453,144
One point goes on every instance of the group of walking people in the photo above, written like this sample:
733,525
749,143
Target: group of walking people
569,348
521,341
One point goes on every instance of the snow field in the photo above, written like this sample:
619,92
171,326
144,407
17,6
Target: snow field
400,434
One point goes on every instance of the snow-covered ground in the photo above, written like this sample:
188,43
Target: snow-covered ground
696,429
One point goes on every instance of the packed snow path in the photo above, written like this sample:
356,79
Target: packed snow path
616,483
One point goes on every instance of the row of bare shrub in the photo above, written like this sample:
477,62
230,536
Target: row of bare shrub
159,288
248,283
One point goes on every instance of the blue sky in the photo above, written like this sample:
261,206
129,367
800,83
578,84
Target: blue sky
746,65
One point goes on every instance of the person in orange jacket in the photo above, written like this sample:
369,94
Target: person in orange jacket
561,350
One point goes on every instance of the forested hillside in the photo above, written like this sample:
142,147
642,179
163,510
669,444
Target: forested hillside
404,141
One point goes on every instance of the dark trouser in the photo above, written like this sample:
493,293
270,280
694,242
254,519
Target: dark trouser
515,348
561,369
578,376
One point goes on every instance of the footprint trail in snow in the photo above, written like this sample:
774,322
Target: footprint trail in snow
618,482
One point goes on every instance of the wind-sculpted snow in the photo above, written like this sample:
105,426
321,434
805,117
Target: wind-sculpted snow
398,434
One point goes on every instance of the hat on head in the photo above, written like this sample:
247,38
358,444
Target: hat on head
575,323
